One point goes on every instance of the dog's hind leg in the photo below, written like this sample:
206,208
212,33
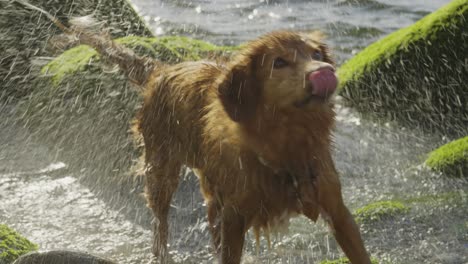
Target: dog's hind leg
162,179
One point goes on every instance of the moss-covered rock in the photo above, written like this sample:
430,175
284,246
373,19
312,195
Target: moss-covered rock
25,34
451,159
170,49
13,245
416,75
380,210
69,62
393,208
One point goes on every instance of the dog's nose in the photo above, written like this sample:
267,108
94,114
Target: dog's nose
323,66
323,81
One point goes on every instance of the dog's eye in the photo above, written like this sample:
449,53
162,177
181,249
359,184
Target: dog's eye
279,63
317,55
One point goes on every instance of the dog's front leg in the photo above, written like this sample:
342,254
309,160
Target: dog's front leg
341,221
214,219
348,236
232,235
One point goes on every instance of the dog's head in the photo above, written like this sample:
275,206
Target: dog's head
281,69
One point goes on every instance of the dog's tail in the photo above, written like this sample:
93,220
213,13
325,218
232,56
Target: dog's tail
82,30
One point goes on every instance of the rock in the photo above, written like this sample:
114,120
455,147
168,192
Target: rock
169,49
61,257
380,210
450,159
25,34
416,75
13,245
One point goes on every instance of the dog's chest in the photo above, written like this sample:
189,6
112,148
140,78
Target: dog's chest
266,196
281,199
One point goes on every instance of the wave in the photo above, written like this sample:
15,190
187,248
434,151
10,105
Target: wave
370,4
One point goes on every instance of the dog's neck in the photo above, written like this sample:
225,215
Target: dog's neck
291,138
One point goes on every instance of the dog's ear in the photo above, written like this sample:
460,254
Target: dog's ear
240,92
316,35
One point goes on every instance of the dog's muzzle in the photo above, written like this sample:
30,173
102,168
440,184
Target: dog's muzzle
323,82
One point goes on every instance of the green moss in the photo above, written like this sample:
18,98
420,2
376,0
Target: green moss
345,261
416,75
451,159
141,45
380,210
69,62
383,209
168,49
385,48
13,245
191,49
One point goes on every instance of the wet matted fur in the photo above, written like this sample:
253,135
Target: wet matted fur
254,135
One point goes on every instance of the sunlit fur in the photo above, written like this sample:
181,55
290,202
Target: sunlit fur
259,156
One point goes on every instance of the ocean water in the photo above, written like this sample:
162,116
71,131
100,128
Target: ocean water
350,24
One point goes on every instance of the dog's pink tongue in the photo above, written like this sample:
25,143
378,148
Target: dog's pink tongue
324,82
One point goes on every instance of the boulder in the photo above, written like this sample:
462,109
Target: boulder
25,36
380,210
169,49
450,159
416,75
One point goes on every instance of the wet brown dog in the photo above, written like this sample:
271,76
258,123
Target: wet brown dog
256,131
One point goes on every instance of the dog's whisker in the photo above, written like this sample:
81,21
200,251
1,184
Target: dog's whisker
271,70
